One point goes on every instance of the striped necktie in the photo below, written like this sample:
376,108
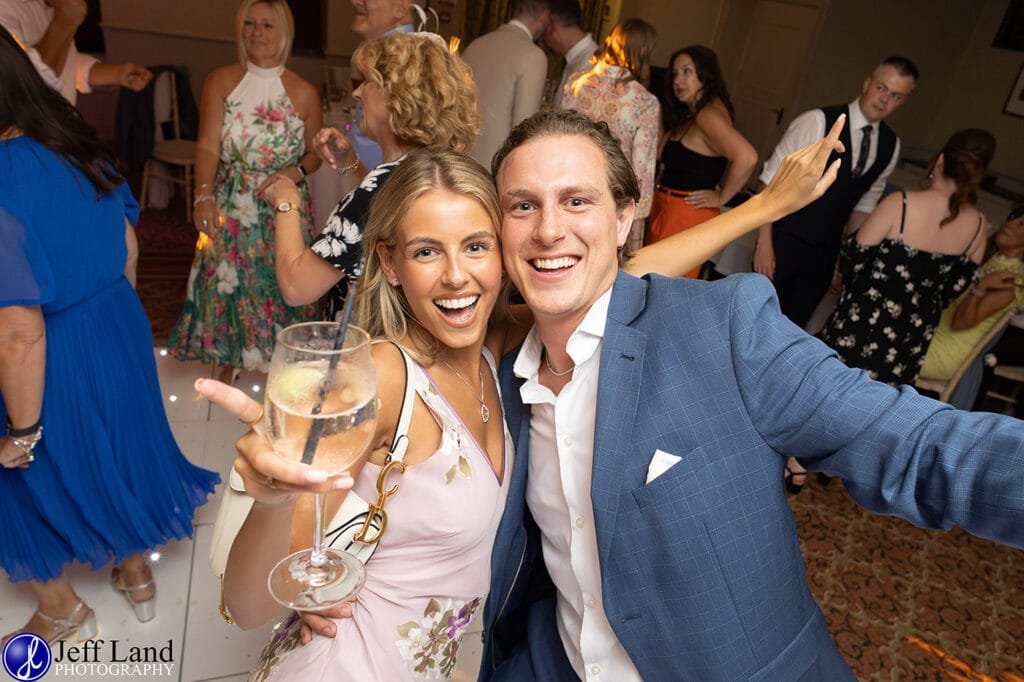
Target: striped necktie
865,147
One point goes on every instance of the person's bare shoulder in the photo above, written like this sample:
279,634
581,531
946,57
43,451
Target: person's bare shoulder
714,113
223,79
303,94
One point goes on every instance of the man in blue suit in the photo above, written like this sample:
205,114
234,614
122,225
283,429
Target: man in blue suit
650,417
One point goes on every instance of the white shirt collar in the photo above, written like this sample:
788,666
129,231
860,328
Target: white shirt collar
521,25
581,346
579,48
857,120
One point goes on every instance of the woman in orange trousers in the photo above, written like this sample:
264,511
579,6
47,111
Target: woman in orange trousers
706,160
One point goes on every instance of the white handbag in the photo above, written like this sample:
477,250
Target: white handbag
347,530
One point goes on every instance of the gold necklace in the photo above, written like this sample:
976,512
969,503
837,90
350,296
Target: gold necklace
552,369
485,414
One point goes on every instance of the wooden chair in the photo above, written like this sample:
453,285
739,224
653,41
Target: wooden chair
337,85
945,388
173,152
1013,373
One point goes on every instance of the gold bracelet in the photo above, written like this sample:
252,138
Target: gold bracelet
349,169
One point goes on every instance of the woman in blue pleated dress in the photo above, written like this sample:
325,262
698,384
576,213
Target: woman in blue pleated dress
90,470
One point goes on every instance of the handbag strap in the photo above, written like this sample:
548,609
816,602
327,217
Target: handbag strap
400,441
372,518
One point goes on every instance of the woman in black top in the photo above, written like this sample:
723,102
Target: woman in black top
706,160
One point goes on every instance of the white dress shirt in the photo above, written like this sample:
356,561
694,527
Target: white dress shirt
577,59
559,473
809,127
28,20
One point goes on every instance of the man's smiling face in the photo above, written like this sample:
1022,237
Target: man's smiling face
560,229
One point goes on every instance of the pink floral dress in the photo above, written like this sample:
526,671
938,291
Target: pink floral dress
429,577
233,307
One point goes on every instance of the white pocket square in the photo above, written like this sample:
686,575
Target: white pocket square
660,463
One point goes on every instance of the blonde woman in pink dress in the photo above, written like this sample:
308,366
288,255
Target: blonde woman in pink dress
431,280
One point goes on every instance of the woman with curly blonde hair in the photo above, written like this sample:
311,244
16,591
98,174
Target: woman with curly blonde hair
414,94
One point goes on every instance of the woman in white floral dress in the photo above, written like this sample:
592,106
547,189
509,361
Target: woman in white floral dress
257,120
438,108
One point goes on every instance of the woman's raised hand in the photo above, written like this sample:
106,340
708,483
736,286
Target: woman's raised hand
334,148
802,177
268,478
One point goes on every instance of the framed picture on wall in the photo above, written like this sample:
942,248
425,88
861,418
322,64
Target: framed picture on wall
1011,30
1015,102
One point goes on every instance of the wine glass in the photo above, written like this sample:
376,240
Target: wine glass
321,411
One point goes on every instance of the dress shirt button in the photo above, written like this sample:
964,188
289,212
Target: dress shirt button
595,670
567,442
579,521
592,602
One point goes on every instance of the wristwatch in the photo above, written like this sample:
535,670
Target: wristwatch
302,171
286,206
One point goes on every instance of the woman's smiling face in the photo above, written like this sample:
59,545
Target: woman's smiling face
447,260
262,36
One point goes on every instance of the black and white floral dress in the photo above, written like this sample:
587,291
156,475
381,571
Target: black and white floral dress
893,299
341,241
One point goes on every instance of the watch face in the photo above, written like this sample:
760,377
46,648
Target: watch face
285,206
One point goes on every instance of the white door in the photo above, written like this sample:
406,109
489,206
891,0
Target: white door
775,58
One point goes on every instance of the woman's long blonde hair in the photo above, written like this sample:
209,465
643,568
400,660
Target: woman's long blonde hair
383,309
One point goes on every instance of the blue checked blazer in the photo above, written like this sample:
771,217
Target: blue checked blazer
701,571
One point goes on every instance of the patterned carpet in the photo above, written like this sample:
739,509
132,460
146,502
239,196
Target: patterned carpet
166,246
902,603
908,604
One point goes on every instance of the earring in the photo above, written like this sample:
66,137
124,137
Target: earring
393,282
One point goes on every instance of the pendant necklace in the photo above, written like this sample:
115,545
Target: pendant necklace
485,414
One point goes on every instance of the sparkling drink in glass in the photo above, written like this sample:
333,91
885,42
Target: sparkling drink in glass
322,412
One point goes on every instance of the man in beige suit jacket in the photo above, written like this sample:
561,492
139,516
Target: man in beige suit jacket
509,70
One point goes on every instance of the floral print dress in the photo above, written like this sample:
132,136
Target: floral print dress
428,579
233,307
341,242
892,302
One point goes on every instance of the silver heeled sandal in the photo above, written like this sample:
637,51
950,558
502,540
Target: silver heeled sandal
85,629
145,611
